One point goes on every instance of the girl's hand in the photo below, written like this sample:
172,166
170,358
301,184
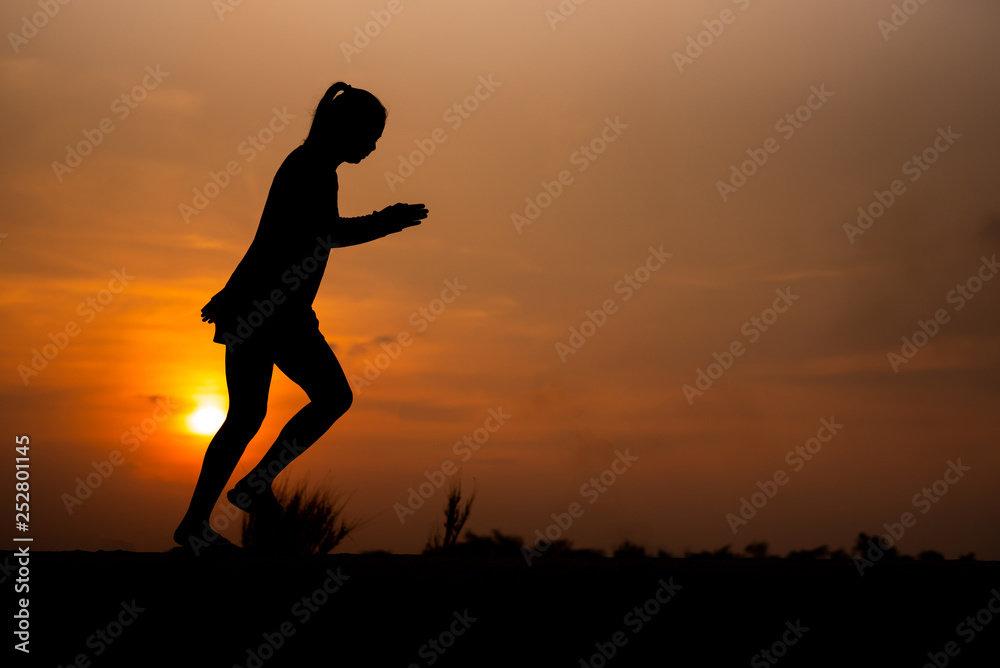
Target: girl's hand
400,216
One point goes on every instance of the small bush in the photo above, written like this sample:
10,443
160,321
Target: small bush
455,517
313,523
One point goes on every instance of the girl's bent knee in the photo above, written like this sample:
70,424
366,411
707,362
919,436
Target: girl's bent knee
335,403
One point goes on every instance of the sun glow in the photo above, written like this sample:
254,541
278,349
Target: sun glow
207,417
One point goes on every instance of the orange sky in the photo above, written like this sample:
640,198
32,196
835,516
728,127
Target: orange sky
558,85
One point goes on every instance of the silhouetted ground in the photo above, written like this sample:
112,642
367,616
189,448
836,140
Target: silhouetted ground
214,612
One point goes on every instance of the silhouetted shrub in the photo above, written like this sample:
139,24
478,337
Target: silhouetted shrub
722,553
821,552
455,517
704,554
865,543
629,550
495,545
564,548
756,550
313,523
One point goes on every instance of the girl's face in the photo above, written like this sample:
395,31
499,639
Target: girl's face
359,145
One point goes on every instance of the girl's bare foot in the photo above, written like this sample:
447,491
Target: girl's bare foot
255,502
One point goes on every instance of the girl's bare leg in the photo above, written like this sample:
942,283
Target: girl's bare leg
312,365
248,378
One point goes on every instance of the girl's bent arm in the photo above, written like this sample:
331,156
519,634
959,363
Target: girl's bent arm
362,229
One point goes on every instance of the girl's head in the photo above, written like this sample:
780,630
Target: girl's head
348,121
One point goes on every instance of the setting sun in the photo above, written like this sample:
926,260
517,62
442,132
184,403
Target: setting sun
206,419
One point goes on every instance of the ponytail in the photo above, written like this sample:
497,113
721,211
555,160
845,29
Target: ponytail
331,92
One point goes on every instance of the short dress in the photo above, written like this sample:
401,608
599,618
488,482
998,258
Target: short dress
257,325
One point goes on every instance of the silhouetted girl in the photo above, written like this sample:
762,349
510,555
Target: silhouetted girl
264,314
